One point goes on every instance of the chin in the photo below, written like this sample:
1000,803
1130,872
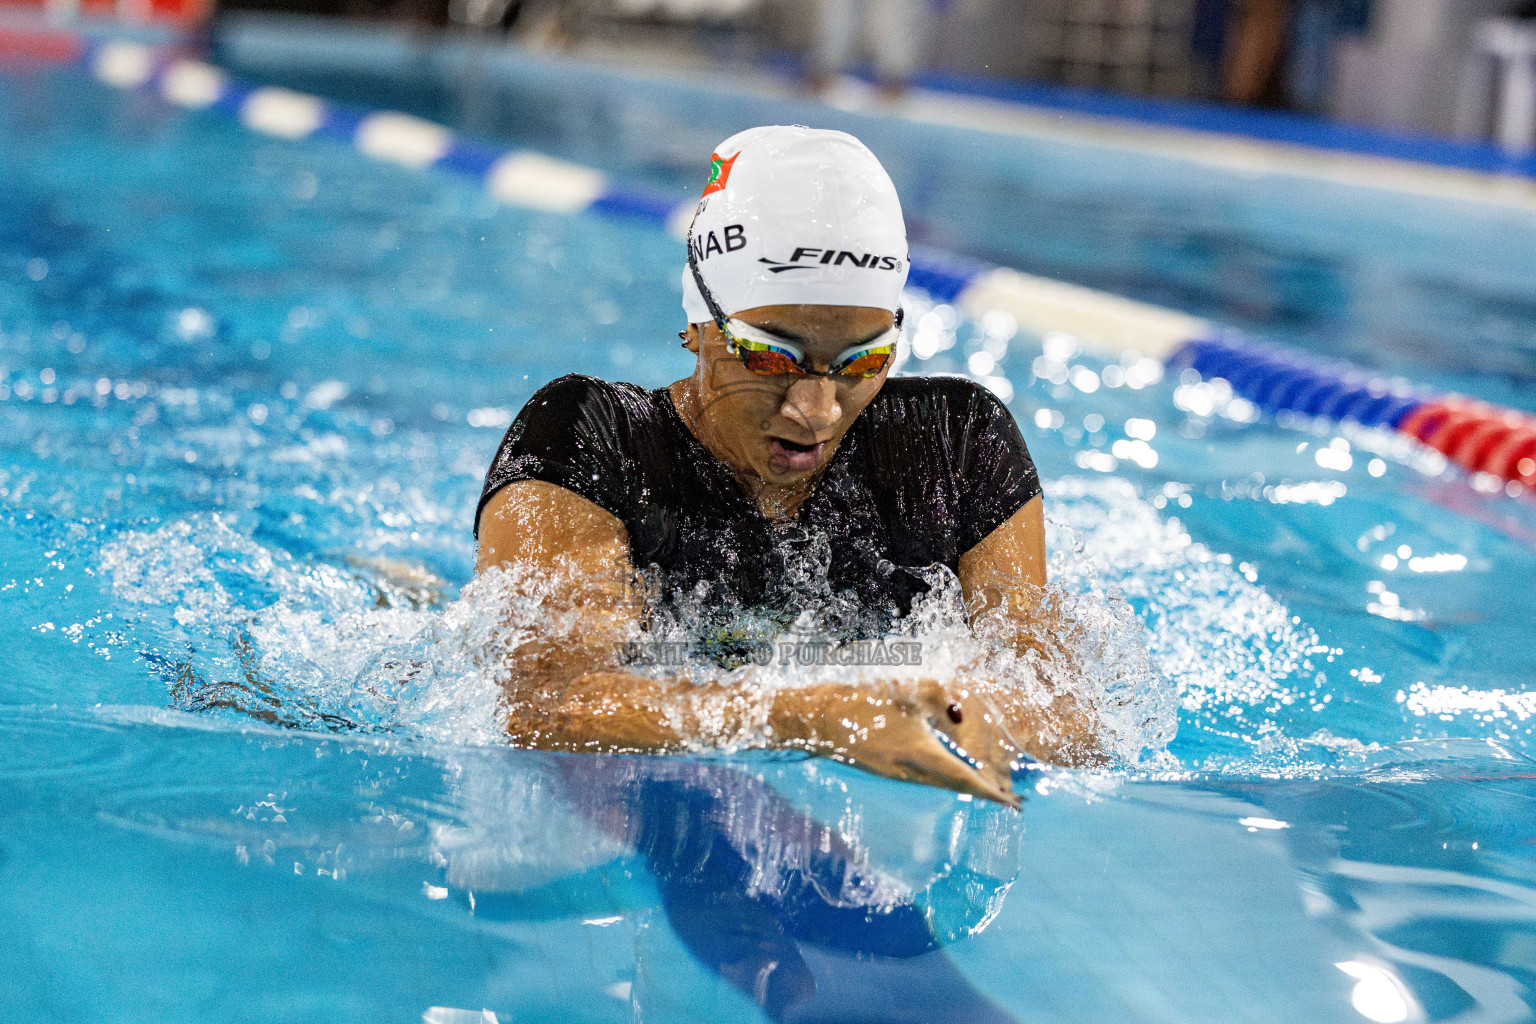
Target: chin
790,476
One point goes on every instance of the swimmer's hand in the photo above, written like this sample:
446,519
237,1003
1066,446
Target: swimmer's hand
946,736
938,736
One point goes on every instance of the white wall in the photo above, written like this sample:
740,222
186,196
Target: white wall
1407,72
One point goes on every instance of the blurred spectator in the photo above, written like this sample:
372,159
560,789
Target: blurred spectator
1316,28
893,29
1255,39
1277,52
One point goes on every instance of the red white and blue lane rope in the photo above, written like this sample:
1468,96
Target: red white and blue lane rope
1480,437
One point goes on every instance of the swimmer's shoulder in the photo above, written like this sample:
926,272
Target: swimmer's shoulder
603,411
596,438
577,394
944,401
952,440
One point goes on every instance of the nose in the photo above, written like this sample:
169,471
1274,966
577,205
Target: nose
812,404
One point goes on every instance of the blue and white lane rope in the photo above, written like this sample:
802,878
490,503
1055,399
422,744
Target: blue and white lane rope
1104,323
1480,437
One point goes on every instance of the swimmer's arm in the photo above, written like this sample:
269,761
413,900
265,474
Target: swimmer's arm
567,693
1004,574
892,731
583,551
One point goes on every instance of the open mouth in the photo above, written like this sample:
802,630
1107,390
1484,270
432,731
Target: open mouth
793,456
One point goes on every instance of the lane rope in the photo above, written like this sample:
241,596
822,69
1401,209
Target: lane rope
1478,436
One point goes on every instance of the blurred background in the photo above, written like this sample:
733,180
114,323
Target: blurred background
1451,68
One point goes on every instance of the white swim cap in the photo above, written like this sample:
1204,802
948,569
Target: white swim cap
796,215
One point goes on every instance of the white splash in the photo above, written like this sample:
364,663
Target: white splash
1152,619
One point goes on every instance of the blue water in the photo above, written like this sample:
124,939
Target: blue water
245,382
1439,291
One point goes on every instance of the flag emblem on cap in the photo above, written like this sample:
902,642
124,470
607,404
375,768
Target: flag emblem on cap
719,171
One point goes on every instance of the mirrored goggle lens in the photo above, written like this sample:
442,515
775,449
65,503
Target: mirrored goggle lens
866,363
765,354
767,359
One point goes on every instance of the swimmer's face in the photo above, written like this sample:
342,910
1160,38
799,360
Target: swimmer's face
783,429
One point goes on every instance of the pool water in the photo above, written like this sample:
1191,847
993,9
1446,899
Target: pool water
1439,291
249,392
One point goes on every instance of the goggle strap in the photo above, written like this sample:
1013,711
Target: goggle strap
698,279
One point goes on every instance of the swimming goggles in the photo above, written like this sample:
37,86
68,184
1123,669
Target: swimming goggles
771,355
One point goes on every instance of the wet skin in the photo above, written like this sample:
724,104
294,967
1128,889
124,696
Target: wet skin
776,434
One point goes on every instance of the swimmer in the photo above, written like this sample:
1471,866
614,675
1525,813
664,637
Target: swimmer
787,438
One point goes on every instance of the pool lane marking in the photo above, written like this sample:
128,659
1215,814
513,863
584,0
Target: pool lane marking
1486,439
538,182
193,84
1109,325
403,139
124,65
284,113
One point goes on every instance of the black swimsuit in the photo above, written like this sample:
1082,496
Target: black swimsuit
932,466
